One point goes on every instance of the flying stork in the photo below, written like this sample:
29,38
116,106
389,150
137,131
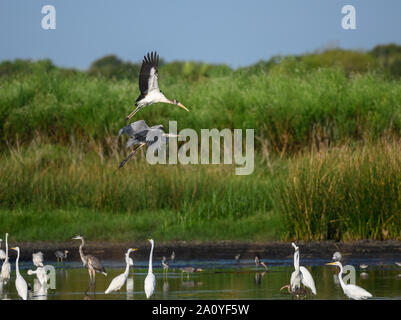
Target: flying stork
149,87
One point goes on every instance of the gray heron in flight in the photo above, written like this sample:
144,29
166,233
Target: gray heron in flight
60,255
149,87
140,134
91,262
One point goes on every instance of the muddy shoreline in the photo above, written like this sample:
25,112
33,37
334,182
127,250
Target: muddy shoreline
216,250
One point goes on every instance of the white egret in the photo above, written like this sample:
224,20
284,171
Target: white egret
37,259
301,274
172,258
6,267
91,262
2,253
60,255
150,280
20,283
117,283
350,290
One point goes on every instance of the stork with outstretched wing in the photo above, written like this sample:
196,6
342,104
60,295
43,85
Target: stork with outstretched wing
149,86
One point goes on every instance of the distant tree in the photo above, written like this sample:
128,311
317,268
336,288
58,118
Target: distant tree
113,67
389,57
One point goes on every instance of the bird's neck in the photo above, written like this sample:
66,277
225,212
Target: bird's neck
6,247
17,265
340,277
296,260
150,259
127,266
81,252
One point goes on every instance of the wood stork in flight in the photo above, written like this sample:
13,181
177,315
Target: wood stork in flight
149,87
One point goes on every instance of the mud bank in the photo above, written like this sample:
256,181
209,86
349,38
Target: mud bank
217,250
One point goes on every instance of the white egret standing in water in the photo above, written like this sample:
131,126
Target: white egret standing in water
20,283
351,290
300,275
2,253
150,280
117,283
6,267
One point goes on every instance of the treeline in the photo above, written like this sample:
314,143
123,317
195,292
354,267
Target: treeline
382,58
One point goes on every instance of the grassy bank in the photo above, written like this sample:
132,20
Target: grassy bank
327,149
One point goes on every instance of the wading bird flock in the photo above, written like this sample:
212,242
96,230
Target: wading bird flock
301,281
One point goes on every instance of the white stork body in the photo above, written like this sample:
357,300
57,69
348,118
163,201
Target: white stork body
149,86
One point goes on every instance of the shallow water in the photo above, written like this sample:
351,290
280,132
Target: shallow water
221,279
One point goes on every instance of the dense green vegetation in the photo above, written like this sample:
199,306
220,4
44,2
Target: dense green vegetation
327,129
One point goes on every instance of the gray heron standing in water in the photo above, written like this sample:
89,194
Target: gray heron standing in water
164,263
189,270
60,255
149,86
91,262
337,256
140,134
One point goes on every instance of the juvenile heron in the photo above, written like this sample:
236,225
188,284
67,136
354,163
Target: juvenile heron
350,290
91,262
164,263
259,261
37,259
337,256
140,134
189,270
6,267
149,87
2,253
60,255
20,283
150,280
117,283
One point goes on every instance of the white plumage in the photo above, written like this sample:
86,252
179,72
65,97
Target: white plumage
301,275
350,290
6,267
20,283
150,280
40,274
118,282
2,253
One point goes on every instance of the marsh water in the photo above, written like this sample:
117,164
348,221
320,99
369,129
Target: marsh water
220,279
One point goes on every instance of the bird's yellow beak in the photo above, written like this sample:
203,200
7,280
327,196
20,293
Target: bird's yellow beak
182,106
331,264
134,249
13,248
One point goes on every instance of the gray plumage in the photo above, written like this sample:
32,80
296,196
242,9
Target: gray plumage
140,134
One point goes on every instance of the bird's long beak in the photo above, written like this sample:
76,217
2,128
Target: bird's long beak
134,249
331,264
13,248
182,106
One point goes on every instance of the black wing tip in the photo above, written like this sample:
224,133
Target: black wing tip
151,57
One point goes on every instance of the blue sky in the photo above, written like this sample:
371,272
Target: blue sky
235,32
